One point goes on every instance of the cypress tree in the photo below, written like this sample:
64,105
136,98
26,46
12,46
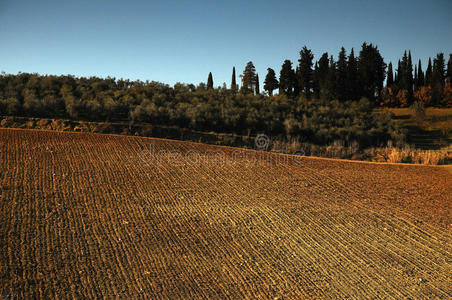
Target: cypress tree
390,80
286,78
270,82
249,78
428,73
322,73
405,75
315,81
439,71
233,81
372,71
305,71
296,82
409,76
352,77
341,76
257,84
415,78
402,72
331,79
449,68
420,75
210,81
438,76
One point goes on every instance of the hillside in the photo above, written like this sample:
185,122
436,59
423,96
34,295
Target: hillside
90,215
434,132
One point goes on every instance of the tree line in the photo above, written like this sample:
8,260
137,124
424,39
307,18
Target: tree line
429,88
351,78
318,102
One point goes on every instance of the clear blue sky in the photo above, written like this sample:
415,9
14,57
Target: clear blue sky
182,41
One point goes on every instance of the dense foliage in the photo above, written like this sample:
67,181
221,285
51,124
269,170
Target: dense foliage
199,108
432,88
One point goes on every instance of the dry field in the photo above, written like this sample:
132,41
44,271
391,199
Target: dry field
91,216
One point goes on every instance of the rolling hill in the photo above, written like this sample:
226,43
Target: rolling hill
87,215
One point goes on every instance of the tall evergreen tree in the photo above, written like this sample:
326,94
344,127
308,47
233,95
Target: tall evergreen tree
390,80
415,78
439,70
321,74
270,82
286,79
352,77
257,84
296,83
420,75
331,79
409,76
371,69
305,71
438,76
341,76
402,72
315,81
233,81
449,68
210,81
428,73
249,78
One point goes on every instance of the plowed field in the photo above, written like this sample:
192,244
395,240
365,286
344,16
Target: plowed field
91,216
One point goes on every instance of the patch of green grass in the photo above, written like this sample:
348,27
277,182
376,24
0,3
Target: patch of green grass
433,133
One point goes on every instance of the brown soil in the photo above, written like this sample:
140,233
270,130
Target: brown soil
87,215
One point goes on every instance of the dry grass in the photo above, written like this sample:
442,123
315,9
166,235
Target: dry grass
391,154
408,154
426,157
337,149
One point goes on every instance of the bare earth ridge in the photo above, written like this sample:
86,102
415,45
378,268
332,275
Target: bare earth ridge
89,215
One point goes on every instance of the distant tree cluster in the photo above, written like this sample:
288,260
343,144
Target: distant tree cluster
348,78
430,88
352,78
